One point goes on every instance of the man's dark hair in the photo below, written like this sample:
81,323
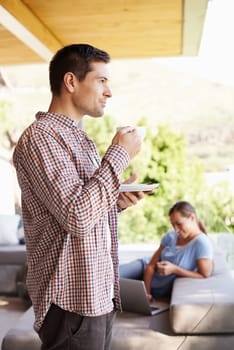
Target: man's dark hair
75,58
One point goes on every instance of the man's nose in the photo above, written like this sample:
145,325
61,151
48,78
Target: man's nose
107,92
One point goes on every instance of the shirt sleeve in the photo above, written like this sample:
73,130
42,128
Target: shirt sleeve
204,248
75,200
167,239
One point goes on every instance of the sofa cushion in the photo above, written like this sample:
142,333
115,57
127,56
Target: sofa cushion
13,255
8,279
13,262
220,263
201,306
130,332
204,305
136,332
8,229
22,336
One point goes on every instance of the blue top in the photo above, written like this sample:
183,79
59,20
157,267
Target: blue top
184,256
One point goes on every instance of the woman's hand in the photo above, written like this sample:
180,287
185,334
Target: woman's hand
166,268
149,297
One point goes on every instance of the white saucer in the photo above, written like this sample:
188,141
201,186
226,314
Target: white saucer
137,187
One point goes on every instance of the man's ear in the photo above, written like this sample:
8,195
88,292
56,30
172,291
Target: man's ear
70,81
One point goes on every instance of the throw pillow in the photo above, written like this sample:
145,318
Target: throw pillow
8,229
20,231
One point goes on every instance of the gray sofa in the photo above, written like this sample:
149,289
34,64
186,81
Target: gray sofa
200,317
12,268
13,260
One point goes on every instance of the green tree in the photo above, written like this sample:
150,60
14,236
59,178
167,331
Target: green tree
217,208
163,159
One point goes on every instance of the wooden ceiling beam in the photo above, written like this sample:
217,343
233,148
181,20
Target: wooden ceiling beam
194,18
34,30
17,18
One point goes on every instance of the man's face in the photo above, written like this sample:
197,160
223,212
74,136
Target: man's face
91,94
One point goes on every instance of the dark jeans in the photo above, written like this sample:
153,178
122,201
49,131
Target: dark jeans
64,330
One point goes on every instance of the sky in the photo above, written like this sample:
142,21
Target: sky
216,55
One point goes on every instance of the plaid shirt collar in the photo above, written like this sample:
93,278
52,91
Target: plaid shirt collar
59,119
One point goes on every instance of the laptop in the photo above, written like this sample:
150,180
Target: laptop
134,298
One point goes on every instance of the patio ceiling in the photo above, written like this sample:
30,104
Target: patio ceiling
32,30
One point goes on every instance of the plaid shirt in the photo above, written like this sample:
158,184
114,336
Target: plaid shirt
67,200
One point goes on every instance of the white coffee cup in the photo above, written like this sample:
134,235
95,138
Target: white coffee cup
141,130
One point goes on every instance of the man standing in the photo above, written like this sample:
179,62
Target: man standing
70,201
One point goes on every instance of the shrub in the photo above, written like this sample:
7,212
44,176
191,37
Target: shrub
163,160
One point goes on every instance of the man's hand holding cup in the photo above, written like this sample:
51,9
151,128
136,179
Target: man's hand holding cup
130,137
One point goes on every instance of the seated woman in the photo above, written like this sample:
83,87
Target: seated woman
185,251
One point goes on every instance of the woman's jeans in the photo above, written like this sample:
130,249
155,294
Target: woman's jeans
134,269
